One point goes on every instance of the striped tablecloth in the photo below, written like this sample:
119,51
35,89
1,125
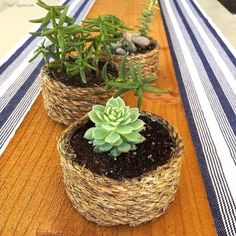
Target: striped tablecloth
18,78
205,66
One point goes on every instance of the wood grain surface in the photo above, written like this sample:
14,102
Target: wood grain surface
32,195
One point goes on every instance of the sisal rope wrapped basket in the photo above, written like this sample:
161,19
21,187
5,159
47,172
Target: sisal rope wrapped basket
66,104
149,60
110,202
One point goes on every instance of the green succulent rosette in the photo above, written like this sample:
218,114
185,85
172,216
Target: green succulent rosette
117,127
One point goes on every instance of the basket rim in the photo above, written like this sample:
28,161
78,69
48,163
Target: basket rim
68,133
46,78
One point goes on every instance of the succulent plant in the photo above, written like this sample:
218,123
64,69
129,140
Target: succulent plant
116,128
129,43
146,17
75,49
130,78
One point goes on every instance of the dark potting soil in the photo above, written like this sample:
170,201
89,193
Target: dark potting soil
93,79
155,151
141,50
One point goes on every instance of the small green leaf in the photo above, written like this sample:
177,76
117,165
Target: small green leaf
106,118
63,16
132,71
120,101
94,118
124,129
128,85
126,121
107,127
124,147
112,117
123,71
70,20
55,65
117,143
139,72
72,29
104,72
107,49
43,5
105,147
48,32
115,152
100,133
98,142
108,108
137,125
152,89
134,114
120,92
61,41
46,20
148,80
98,108
112,137
89,134
35,55
35,34
140,97
60,7
134,137
114,123
82,75
73,44
37,20
52,39
89,66
112,102
99,114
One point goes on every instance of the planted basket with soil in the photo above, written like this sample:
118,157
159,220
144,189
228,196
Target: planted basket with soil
139,45
147,53
71,80
67,99
123,170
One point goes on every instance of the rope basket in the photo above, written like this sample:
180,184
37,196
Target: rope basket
108,202
149,60
66,104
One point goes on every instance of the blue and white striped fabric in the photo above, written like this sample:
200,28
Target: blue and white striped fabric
18,78
205,66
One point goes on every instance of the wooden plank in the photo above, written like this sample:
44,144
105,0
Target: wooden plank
32,195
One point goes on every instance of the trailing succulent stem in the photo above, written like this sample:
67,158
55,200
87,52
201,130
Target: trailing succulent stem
116,128
146,17
130,79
